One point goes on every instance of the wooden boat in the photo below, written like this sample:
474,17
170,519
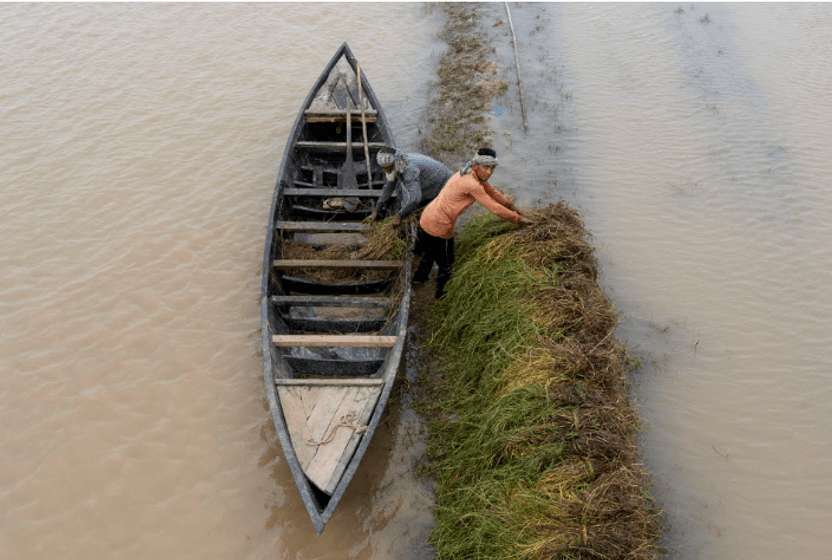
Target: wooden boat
331,349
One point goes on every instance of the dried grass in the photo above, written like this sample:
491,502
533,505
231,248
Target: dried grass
536,447
531,431
383,242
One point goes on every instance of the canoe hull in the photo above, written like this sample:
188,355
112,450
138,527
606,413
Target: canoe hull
331,349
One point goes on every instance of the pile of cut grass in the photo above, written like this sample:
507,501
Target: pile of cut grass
384,242
532,437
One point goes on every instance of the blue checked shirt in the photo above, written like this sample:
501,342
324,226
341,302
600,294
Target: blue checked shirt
416,186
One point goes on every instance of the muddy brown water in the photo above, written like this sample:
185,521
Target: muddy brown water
140,147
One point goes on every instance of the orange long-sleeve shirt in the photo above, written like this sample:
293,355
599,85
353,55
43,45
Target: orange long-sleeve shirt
460,192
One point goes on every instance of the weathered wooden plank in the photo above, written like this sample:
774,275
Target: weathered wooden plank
329,462
333,116
341,94
335,113
339,341
296,421
310,401
324,100
337,145
321,226
332,301
330,381
302,213
332,192
352,443
332,263
328,399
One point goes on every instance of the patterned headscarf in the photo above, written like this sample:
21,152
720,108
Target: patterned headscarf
482,159
385,159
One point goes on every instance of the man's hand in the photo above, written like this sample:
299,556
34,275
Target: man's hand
371,218
516,209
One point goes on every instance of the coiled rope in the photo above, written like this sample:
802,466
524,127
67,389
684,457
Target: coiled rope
346,421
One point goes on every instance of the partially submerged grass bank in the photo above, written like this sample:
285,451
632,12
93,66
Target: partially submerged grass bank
522,381
467,82
532,437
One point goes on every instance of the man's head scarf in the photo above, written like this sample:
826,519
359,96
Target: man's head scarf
485,159
480,158
386,159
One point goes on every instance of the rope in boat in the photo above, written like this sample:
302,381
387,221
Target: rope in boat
346,421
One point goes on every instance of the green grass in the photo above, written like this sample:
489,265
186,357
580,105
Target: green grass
481,322
486,498
514,472
496,447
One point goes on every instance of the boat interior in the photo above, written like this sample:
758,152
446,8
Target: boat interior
333,317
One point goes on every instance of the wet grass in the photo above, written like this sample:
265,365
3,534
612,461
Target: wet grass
522,381
532,439
466,83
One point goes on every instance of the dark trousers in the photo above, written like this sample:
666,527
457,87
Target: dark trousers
434,250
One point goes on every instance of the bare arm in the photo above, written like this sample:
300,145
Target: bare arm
496,203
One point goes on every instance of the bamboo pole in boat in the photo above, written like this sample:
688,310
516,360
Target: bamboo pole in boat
364,130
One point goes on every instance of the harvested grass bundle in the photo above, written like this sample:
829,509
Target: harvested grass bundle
291,249
535,450
556,238
385,241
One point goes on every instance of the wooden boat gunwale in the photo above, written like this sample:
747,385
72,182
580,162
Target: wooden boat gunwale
275,367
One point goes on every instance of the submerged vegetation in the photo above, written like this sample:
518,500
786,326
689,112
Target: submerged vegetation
522,381
467,82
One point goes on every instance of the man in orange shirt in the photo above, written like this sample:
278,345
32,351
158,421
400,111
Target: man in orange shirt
435,241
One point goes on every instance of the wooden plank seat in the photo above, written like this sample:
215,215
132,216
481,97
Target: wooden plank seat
324,192
337,117
329,381
354,111
361,179
329,146
335,340
336,264
332,301
322,115
322,227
